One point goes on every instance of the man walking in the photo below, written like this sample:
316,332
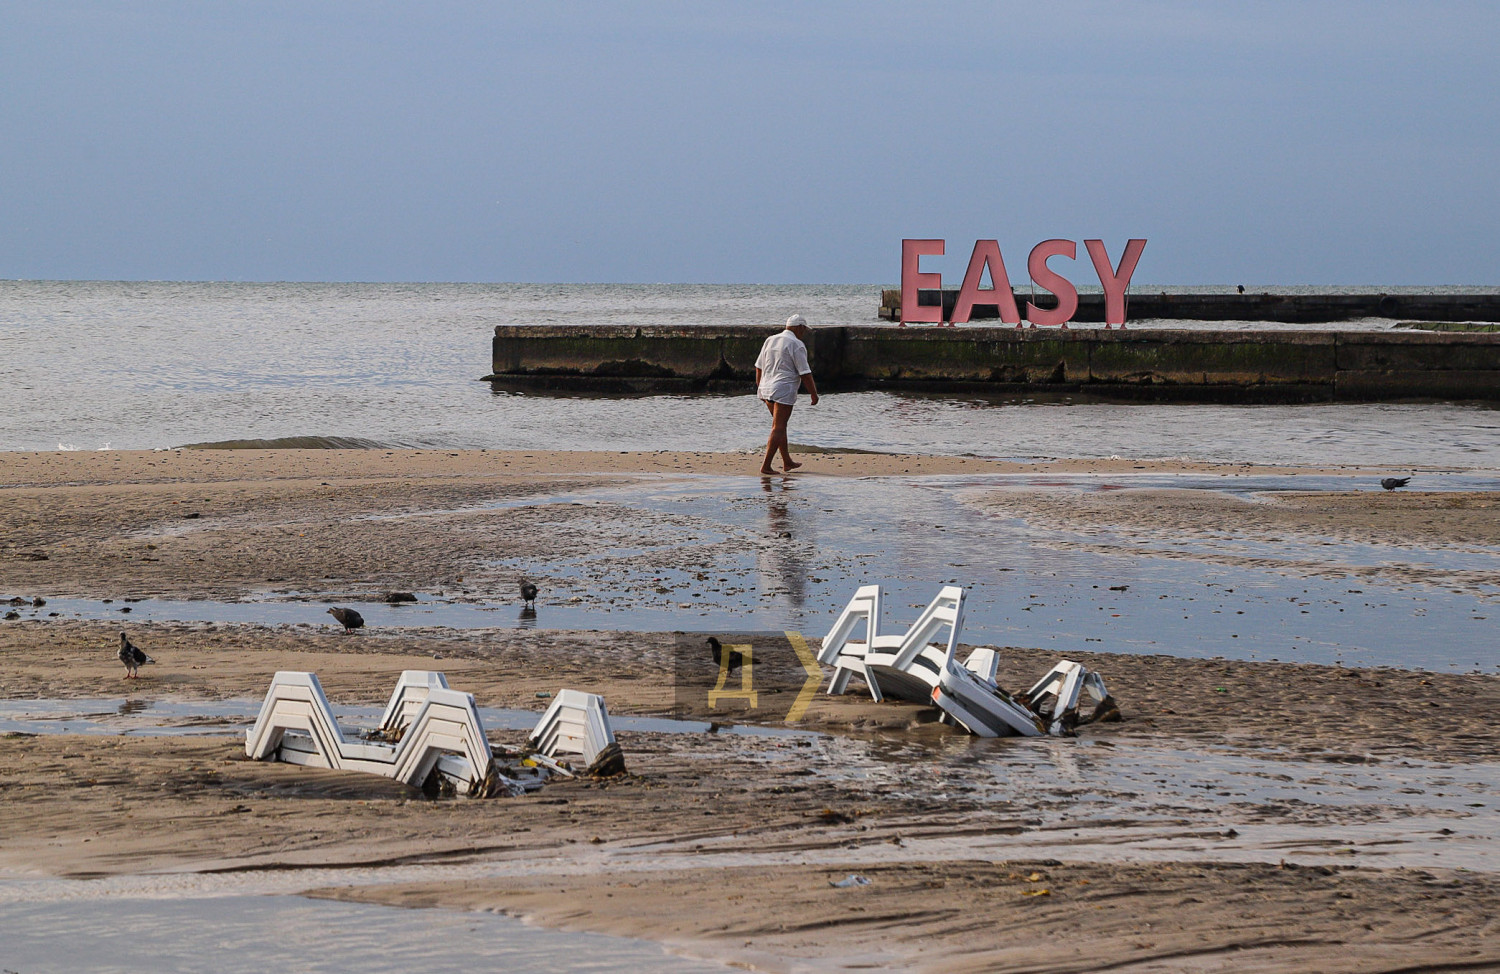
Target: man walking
780,371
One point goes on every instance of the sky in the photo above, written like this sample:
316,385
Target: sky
1308,142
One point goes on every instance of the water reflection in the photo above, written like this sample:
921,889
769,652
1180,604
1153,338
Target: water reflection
527,618
782,562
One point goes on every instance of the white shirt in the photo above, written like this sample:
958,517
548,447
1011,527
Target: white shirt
782,364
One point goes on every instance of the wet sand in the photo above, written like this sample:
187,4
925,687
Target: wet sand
726,846
356,523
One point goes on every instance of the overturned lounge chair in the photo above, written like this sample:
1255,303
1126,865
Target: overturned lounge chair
981,707
439,729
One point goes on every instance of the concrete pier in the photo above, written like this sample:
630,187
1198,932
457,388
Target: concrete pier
1299,309
1146,364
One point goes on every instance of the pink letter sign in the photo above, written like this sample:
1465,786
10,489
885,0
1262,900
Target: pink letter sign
1114,280
986,252
1044,276
1117,281
912,252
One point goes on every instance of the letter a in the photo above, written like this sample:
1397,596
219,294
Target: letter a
986,253
1117,281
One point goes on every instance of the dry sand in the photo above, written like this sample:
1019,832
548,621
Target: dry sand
723,846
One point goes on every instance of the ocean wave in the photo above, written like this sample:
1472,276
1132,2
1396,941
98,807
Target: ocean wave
295,443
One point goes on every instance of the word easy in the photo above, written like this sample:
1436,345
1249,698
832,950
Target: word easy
1114,279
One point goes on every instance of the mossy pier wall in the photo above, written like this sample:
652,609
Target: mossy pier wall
1298,309
1146,364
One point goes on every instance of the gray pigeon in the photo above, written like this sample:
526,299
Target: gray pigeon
348,618
528,592
1391,483
132,657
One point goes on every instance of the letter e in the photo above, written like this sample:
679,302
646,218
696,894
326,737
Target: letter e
912,279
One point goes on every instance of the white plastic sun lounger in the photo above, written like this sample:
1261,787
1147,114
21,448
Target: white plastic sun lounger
979,705
577,724
408,697
296,724
905,667
846,656
1049,707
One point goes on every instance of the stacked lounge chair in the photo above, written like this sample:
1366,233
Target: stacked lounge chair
438,730
577,725
431,735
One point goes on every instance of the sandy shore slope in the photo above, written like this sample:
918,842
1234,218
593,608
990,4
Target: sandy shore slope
725,846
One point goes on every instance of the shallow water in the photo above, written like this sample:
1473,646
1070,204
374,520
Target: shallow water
255,934
148,365
142,716
798,549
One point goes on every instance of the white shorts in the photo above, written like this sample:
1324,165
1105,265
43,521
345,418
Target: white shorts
782,392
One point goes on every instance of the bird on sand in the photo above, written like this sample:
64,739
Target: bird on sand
131,655
348,618
528,592
736,658
1391,483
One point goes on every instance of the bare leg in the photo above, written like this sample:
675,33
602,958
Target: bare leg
781,415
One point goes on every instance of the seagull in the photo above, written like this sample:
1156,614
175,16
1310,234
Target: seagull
736,658
132,657
1391,483
350,619
528,592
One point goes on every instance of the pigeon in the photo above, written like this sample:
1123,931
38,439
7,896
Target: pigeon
1391,483
132,657
736,659
528,592
350,619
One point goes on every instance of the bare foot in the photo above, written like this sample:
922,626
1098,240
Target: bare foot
767,472
792,465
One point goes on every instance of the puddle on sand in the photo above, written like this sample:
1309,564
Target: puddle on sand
145,717
797,548
253,934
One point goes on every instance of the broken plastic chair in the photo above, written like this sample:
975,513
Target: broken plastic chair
981,707
577,724
1055,697
443,733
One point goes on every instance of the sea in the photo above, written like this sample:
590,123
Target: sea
93,365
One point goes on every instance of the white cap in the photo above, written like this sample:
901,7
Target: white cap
796,321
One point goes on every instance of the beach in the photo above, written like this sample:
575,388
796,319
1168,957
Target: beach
1244,814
